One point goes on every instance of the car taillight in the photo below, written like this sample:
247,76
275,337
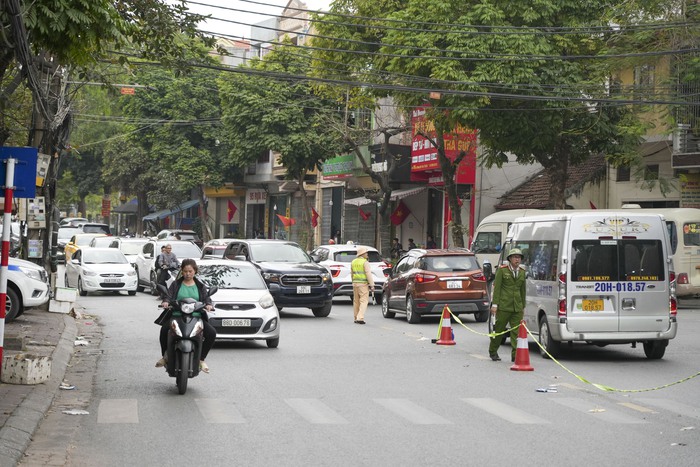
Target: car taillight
673,305
683,278
421,278
335,270
479,277
562,294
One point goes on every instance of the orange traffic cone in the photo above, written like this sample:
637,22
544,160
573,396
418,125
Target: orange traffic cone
522,353
446,337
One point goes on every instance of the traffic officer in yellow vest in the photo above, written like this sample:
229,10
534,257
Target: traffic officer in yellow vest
362,284
508,301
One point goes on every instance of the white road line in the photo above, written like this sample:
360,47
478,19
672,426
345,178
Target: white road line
607,415
412,412
315,411
118,411
673,406
221,411
506,412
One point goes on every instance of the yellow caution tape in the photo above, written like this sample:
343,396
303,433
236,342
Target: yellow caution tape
602,387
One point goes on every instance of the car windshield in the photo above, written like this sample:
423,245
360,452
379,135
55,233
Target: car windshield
451,263
111,256
131,248
187,236
185,250
231,277
83,240
348,256
65,234
279,252
101,242
95,228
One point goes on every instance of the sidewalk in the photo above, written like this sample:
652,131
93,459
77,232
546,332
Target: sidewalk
22,407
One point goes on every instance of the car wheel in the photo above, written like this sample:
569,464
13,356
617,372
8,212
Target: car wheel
654,350
132,292
154,282
385,307
546,341
322,312
482,316
80,288
411,315
273,343
12,305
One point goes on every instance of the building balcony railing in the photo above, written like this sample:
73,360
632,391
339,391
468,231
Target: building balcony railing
686,147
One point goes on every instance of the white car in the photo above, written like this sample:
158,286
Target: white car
337,259
243,305
130,246
100,270
27,287
146,260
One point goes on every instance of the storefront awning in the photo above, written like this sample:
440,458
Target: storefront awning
169,212
361,201
406,192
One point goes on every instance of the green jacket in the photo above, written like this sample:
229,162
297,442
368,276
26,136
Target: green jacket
508,291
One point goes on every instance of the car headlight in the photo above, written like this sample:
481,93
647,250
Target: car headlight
266,301
88,272
326,277
31,273
132,272
272,276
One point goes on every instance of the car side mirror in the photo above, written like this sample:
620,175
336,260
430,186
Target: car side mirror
488,271
75,261
316,258
388,272
149,255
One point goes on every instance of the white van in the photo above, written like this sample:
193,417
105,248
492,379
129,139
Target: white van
602,277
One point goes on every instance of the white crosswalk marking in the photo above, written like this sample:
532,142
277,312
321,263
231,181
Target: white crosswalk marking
315,411
412,412
506,412
673,406
118,411
608,415
219,411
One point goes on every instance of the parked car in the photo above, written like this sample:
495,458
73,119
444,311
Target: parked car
337,259
27,286
423,281
77,241
146,259
243,305
91,227
100,270
102,242
130,246
294,279
72,221
177,234
64,236
214,249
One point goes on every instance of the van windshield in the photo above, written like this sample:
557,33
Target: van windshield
617,260
487,242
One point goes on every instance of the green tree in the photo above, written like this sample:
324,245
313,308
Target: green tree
499,66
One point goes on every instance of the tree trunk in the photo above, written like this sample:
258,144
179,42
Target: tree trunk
449,168
141,212
204,216
558,172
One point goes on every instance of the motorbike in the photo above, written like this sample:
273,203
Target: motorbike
185,338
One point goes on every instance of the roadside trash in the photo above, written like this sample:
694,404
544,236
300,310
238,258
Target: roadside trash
686,428
66,386
678,444
80,343
546,389
596,410
76,412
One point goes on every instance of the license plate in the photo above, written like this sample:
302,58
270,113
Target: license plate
592,305
112,280
235,323
454,284
303,289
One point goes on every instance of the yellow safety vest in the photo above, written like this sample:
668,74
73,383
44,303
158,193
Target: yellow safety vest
358,270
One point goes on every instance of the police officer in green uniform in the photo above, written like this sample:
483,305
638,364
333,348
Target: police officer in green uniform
508,301
362,284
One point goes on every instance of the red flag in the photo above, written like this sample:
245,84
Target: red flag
286,221
448,218
314,218
400,213
364,215
231,210
592,205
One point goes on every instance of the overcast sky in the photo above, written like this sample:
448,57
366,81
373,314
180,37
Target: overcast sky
248,16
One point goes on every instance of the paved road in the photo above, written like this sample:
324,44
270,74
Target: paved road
337,393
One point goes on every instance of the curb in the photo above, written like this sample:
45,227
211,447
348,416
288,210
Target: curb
17,433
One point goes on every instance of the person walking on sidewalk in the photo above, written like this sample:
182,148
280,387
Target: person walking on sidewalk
508,302
362,284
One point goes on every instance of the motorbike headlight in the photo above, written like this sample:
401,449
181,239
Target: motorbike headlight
175,328
266,301
31,273
187,308
199,327
272,277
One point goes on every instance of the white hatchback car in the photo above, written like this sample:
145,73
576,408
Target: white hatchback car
100,270
243,305
27,286
337,259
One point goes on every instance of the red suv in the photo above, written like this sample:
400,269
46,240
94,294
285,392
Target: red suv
423,281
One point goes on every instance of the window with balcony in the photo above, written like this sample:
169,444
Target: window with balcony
623,174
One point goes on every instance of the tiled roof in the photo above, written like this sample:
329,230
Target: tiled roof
534,193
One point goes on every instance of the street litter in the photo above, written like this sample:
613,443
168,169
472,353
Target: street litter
596,410
66,386
686,428
76,412
678,444
546,389
80,343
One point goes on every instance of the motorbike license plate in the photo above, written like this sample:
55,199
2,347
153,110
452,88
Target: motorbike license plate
112,280
303,289
235,323
592,305
454,284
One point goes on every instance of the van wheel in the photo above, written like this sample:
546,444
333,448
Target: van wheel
654,350
411,315
385,307
546,341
